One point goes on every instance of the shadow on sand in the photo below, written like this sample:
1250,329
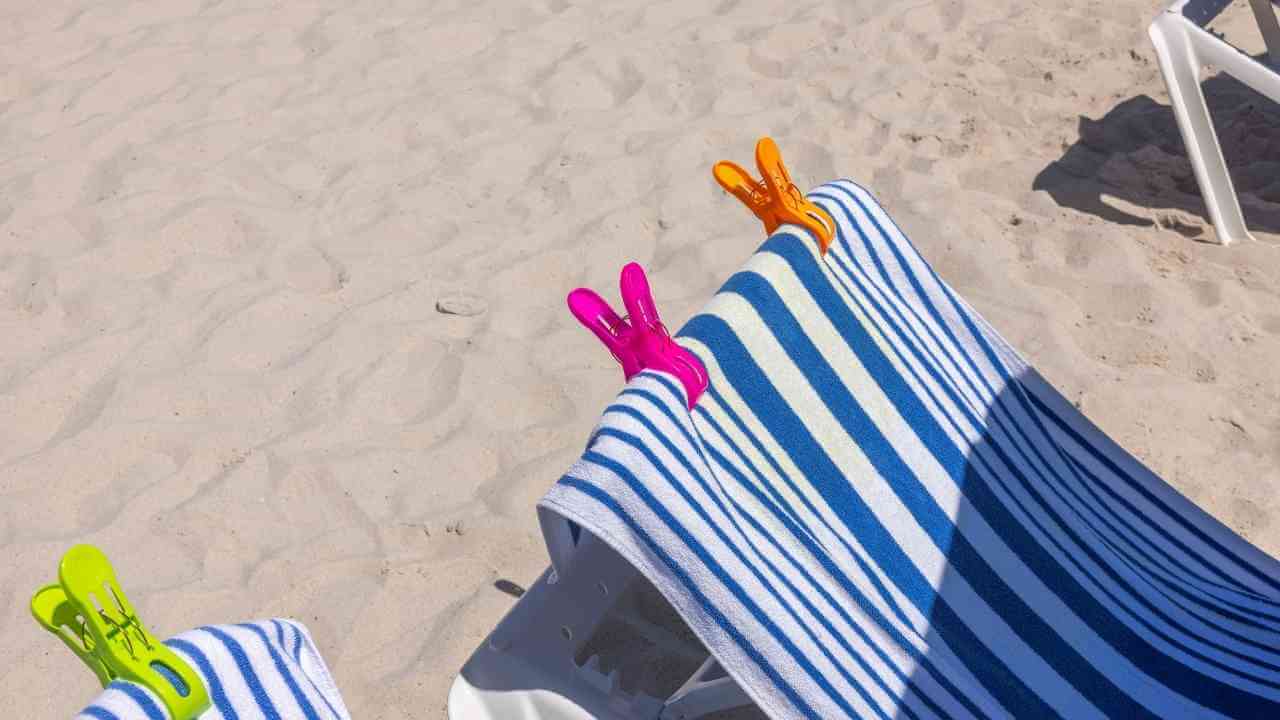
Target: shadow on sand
1130,167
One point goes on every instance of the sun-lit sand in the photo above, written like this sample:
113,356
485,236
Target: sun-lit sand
282,321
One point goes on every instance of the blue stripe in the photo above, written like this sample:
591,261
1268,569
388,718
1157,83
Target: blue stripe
297,645
217,694
250,676
141,698
100,713
303,703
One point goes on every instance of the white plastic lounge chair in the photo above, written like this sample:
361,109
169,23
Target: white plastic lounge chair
878,509
531,666
1185,48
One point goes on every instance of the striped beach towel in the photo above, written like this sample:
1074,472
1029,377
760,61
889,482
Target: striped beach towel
879,510
268,669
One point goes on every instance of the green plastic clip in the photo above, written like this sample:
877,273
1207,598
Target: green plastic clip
92,615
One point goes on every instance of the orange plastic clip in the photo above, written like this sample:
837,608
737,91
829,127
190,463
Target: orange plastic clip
775,200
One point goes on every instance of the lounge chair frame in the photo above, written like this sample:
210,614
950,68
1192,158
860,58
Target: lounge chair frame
1185,48
526,668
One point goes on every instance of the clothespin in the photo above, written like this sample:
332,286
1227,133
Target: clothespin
775,200
91,614
638,340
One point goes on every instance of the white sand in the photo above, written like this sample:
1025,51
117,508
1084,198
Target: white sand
225,228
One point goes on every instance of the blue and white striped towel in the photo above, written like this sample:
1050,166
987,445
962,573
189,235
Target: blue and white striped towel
879,510
268,669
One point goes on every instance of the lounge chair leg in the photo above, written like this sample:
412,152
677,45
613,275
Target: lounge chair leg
1181,71
700,696
1269,26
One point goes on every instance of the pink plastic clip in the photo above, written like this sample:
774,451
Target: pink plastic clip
638,341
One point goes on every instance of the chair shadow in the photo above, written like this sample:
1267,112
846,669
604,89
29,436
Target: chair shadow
1103,521
1130,167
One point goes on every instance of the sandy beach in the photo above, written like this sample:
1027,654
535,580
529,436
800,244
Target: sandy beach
282,284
